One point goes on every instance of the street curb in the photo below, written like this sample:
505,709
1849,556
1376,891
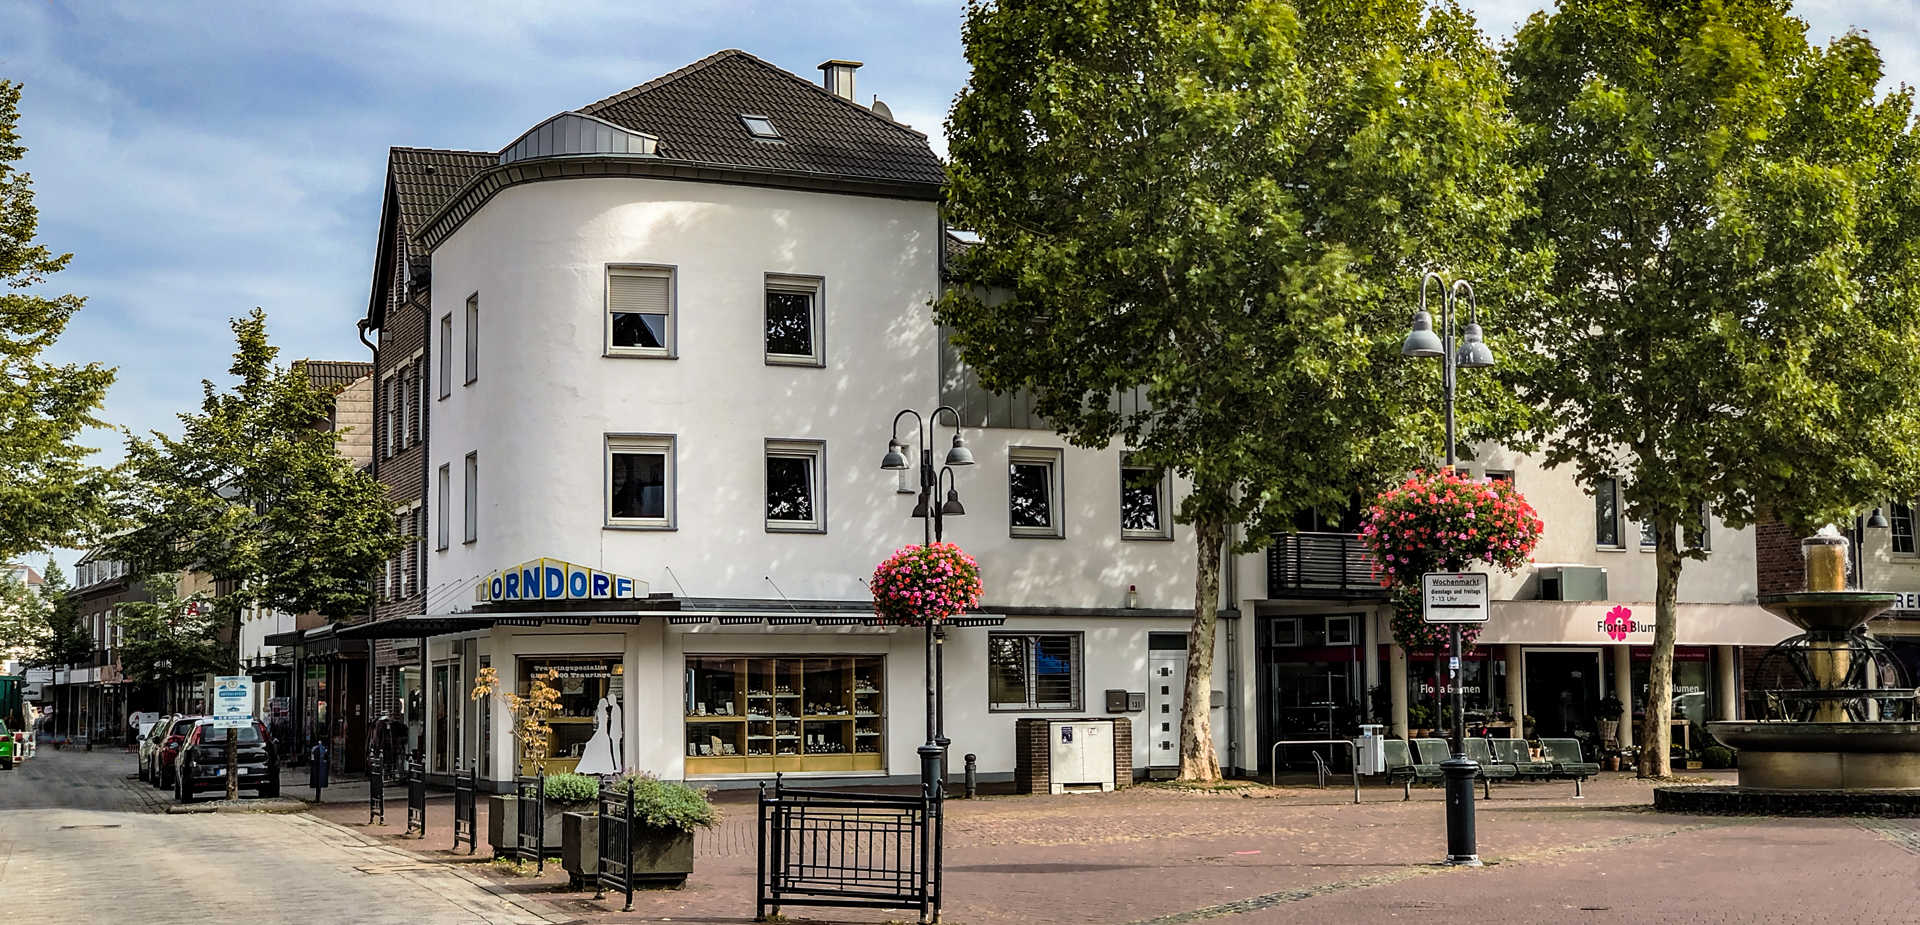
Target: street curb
276,805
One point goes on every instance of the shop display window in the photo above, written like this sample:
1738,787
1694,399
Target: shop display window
588,716
748,715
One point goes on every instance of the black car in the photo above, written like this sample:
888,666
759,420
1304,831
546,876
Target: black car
201,766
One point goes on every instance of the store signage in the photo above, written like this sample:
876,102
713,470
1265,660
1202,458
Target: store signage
1454,597
1619,623
1906,600
556,580
232,701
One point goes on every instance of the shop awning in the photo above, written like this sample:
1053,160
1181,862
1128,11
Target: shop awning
417,626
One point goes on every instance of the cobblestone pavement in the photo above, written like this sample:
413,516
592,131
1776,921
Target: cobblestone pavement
82,841
1294,854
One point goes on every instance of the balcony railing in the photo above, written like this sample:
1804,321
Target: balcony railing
1321,565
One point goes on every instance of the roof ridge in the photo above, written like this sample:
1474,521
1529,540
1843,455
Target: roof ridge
413,150
709,60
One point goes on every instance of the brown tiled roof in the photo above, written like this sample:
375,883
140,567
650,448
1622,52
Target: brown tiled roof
695,112
330,376
424,179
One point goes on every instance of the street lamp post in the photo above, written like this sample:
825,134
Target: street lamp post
1472,354
932,511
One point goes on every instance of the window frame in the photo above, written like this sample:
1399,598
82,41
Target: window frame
470,498
664,444
1499,475
443,516
1163,501
1296,637
815,452
446,355
1054,459
816,288
1619,520
672,275
1347,620
1029,644
1894,519
472,340
1705,535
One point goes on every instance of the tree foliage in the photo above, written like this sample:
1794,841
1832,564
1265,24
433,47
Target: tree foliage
49,495
1219,212
1735,220
168,636
253,493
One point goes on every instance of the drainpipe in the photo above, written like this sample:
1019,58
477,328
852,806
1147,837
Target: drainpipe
373,469
1233,652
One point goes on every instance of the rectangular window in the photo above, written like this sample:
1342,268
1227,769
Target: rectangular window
1286,631
796,495
473,338
409,405
640,311
1606,513
1900,519
814,712
1648,537
1500,475
1340,631
1033,672
1699,533
1034,492
794,321
1143,502
639,481
417,551
420,386
472,480
390,419
442,496
446,354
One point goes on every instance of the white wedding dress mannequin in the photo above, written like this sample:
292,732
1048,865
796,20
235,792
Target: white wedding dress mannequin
601,754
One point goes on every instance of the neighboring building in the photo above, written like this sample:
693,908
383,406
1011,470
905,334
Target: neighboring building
94,695
306,684
14,662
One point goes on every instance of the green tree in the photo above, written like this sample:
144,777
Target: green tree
253,493
1202,226
67,641
24,631
1730,315
49,495
168,636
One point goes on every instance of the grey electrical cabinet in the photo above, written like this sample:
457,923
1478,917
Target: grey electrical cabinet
1573,583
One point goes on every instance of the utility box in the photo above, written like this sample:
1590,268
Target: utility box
1080,757
1116,701
1572,582
1369,750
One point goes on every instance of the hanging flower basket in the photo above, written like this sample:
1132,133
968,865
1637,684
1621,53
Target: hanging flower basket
921,583
1441,522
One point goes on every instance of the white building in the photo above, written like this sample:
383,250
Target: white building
669,333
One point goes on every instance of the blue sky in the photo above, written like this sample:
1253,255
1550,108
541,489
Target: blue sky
200,159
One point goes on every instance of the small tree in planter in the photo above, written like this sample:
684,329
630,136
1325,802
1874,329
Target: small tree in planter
1439,521
530,713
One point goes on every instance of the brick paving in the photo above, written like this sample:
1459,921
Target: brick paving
81,841
1266,855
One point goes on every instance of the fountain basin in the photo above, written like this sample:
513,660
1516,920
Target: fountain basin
1824,756
1829,612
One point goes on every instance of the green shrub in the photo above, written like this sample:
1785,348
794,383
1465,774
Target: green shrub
1717,757
667,805
572,788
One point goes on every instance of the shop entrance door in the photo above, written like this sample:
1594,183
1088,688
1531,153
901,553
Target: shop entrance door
1166,689
1561,690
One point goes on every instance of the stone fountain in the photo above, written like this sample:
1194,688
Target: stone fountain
1841,734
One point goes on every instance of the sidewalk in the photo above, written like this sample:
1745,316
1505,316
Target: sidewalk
1157,853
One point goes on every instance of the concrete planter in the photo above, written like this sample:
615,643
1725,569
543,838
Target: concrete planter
503,820
657,857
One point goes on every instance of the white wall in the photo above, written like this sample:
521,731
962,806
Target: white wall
546,397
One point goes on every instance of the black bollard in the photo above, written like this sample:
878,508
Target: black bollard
973,777
317,769
930,770
1462,847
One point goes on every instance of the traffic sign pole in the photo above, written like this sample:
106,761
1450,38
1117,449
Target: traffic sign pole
1457,598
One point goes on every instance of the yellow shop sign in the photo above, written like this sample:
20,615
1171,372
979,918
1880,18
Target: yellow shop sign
555,580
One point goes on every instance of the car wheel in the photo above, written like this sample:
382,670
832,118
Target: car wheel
140,771
6,764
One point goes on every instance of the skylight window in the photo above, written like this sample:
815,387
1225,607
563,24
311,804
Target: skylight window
760,127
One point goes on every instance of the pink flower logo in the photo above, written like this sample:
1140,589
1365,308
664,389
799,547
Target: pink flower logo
1619,621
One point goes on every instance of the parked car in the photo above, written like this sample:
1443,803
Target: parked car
148,743
201,764
160,771
8,750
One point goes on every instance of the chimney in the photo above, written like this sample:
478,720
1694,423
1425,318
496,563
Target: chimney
836,76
